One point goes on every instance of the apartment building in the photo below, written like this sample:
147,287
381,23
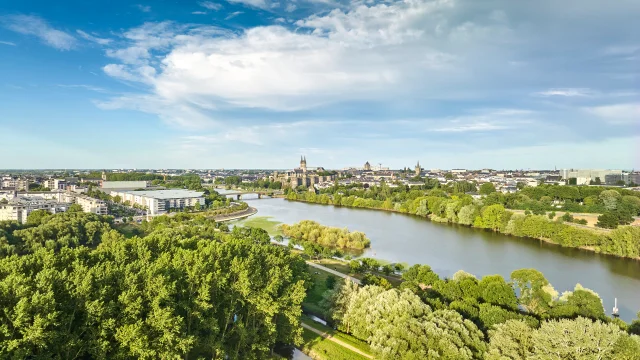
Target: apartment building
160,201
20,207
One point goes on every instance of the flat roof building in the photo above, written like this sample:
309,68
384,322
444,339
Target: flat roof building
158,202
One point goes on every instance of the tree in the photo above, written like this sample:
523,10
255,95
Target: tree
443,334
610,199
330,281
387,269
75,208
575,339
608,220
117,199
510,340
487,188
160,296
197,206
336,301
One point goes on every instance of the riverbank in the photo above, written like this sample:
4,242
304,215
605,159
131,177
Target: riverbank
237,215
624,239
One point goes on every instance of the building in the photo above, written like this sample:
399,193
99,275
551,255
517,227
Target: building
302,176
158,202
418,169
586,176
90,205
19,208
123,185
15,183
367,166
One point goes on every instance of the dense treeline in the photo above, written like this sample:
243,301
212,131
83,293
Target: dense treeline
180,292
313,232
52,232
580,199
467,318
485,214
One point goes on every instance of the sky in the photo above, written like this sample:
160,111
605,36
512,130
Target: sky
472,84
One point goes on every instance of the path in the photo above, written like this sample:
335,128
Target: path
337,273
237,215
339,342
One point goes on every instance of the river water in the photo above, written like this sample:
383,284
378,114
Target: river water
449,248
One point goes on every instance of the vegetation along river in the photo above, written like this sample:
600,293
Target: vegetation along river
448,248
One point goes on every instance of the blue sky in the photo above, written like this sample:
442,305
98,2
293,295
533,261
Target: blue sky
257,83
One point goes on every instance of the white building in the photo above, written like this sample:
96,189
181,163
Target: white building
160,201
584,177
122,185
19,208
89,204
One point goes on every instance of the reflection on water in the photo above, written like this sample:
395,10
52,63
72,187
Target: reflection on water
449,248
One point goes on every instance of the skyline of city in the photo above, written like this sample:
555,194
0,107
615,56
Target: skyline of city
249,84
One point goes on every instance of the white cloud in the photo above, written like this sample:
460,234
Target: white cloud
409,50
566,92
617,113
130,55
86,87
290,8
35,26
199,13
95,39
233,14
260,4
7,43
210,5
143,8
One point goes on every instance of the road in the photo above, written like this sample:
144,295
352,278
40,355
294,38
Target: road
339,342
336,273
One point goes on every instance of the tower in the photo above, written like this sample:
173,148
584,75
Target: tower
418,169
303,163
367,166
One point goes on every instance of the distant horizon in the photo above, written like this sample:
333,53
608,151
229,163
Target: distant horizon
252,84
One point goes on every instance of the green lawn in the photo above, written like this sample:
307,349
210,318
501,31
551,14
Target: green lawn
357,343
262,222
314,296
326,349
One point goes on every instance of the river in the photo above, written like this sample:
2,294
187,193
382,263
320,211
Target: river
449,248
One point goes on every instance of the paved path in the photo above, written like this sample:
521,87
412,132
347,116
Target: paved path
337,273
339,342
237,215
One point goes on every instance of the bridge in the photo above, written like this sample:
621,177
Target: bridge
238,194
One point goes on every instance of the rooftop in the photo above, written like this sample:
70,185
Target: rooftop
166,194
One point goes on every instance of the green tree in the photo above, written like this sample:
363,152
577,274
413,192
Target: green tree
510,340
575,339
487,188
75,208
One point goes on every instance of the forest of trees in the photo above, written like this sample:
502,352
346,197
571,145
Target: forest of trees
178,292
487,213
466,318
315,233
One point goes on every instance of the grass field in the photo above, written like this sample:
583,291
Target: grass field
320,348
314,296
356,343
262,222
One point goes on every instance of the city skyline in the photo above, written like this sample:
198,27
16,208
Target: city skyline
254,84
